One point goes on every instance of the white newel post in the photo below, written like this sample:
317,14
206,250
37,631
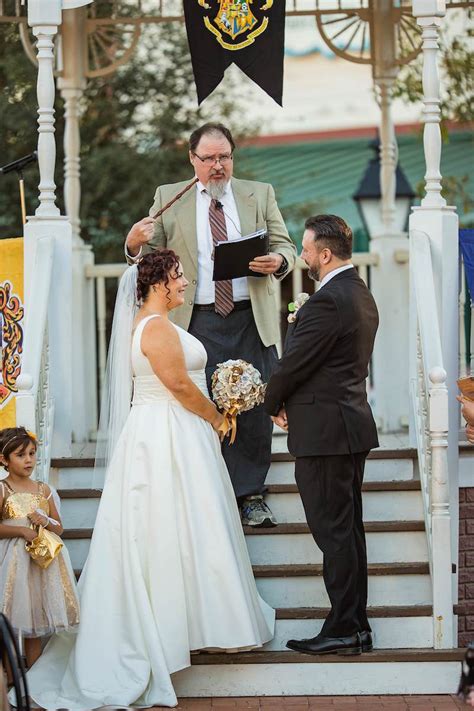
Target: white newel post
44,17
71,84
440,515
439,221
389,279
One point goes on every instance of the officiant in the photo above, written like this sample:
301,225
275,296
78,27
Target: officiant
238,318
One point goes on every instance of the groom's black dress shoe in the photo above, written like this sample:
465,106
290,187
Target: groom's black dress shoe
327,645
366,641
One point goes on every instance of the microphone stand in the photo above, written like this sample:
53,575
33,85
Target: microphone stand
18,165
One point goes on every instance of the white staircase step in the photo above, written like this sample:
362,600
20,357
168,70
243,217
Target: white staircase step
414,671
303,586
282,470
397,506
382,501
387,542
388,632
381,465
382,547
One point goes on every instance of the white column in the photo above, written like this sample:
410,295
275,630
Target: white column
389,285
44,17
440,223
71,84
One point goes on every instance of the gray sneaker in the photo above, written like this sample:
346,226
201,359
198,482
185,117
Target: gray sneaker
256,513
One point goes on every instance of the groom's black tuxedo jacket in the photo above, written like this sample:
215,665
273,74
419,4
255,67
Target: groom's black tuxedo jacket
321,377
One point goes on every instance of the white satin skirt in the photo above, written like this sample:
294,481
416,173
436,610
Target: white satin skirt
168,569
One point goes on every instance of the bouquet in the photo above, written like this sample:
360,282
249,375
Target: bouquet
236,387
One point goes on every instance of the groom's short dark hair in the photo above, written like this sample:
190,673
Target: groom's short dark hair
332,232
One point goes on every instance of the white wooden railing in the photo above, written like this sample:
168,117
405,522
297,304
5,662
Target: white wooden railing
101,272
429,396
34,403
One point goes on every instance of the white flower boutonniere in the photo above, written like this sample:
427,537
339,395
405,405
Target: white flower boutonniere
293,306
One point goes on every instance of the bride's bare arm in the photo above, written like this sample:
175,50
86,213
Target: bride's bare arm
161,345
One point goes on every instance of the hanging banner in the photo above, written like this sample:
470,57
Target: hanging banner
11,325
249,34
466,243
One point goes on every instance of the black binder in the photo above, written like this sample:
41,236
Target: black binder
231,258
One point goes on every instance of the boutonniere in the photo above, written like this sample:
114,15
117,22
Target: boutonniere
295,305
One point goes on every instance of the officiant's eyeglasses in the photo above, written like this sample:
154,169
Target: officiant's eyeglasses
210,160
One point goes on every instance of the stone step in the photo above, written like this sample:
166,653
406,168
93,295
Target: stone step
273,673
79,505
387,542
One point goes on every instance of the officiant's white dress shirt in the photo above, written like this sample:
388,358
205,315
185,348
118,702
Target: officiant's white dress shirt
205,286
332,274
205,292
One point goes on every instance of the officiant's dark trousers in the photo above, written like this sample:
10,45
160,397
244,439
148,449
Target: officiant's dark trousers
331,491
236,336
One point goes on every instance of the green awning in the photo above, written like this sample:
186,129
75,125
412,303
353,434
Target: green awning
321,176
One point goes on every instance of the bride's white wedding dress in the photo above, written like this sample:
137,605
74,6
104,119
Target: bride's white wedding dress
168,569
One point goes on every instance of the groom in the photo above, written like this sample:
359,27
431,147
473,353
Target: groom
318,393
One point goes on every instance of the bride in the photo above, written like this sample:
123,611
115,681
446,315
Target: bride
168,570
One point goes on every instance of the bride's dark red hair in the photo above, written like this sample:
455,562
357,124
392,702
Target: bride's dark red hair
157,267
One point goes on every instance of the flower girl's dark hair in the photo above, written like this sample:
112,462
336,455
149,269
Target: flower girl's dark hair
13,438
157,267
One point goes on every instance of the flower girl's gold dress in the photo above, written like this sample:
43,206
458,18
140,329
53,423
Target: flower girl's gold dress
37,601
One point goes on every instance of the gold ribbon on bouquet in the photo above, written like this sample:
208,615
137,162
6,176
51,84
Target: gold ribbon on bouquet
229,425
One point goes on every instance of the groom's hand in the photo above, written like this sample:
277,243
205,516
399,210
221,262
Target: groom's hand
281,420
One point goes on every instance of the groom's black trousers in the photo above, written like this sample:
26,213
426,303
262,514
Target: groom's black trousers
331,490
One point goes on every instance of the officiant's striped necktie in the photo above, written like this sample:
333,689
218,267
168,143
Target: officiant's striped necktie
224,298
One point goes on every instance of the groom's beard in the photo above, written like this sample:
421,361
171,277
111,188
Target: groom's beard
216,188
313,273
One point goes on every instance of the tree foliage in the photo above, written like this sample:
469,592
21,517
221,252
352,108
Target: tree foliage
134,128
456,70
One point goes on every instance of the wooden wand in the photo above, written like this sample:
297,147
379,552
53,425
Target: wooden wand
176,197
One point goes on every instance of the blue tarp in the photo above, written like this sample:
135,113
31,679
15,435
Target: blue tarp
466,243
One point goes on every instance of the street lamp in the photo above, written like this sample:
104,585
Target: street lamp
368,196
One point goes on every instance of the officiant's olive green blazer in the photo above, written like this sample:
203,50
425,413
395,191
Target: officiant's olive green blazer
257,208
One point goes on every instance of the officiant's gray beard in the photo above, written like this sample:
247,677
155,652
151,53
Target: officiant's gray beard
216,188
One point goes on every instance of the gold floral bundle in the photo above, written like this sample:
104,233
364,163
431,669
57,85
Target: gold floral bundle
236,387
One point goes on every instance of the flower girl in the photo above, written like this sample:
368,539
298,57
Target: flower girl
38,601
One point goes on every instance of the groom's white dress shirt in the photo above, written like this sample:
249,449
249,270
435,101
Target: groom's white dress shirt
332,274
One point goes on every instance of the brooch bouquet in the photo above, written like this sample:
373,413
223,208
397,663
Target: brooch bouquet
236,387
293,306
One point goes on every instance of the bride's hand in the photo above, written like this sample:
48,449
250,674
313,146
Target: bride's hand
218,421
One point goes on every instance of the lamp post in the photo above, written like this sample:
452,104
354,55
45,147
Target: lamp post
384,214
368,196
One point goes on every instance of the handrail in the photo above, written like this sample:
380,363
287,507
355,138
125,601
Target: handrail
428,320
429,396
34,405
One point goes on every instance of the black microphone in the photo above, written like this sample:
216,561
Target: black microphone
20,163
219,205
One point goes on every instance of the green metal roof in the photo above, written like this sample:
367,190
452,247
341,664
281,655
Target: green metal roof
321,176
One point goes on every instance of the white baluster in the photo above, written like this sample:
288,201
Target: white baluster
72,162
428,14
297,281
388,156
46,142
101,330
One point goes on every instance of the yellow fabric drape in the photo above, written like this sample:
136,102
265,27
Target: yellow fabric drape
11,325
